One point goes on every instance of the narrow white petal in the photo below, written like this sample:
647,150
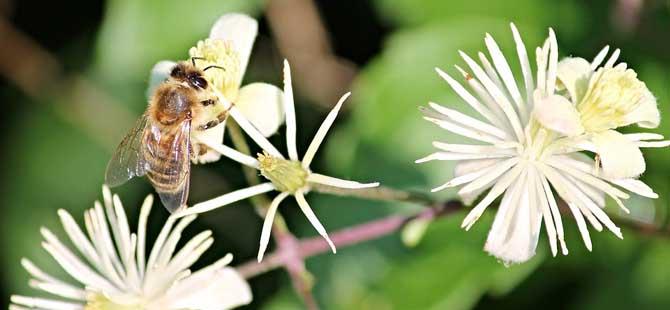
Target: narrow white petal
262,104
643,136
566,164
610,62
465,131
553,207
553,62
232,154
76,268
599,58
466,120
459,156
471,100
158,244
253,132
227,199
636,186
142,232
321,133
541,54
35,302
497,94
307,210
656,144
78,238
464,178
66,291
492,175
267,224
490,71
505,72
514,235
583,230
499,187
494,107
335,182
474,149
38,273
525,65
240,30
546,213
289,107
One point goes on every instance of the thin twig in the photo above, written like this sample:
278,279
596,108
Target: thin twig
345,237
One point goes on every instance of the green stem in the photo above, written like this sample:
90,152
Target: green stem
382,193
260,202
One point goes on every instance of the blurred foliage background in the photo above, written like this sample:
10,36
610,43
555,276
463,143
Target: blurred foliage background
74,76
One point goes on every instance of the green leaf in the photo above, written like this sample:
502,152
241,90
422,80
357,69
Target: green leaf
416,12
137,34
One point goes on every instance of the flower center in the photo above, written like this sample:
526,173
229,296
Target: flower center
214,52
612,94
100,302
286,175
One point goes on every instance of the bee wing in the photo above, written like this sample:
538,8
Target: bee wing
175,169
128,159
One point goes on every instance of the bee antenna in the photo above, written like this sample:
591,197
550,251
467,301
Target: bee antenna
210,67
194,58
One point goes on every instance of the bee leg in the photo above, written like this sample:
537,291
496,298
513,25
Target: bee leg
219,118
208,102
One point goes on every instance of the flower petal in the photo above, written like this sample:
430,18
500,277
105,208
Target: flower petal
267,224
307,210
620,158
159,73
219,289
558,114
262,105
574,74
240,30
646,115
211,136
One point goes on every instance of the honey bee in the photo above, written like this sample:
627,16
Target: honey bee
159,145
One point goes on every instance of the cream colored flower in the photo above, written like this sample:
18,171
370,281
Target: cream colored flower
113,273
519,158
229,47
599,100
290,177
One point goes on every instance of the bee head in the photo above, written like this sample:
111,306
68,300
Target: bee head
185,72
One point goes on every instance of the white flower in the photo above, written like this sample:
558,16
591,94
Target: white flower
602,99
113,273
229,47
520,159
290,177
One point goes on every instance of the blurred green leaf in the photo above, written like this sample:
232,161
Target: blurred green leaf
50,166
566,14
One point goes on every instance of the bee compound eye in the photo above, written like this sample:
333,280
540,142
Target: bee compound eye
200,82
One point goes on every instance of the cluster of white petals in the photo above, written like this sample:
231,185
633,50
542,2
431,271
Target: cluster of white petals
289,177
531,143
112,270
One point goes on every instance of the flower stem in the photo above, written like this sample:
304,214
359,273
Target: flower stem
345,237
260,202
378,193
